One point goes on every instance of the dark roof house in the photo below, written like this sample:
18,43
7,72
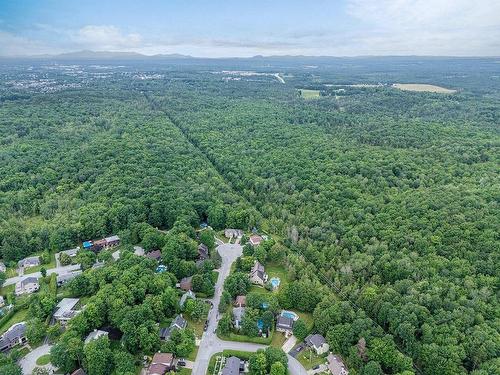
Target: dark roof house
186,283
318,343
155,254
258,274
161,364
232,366
15,335
284,324
203,253
178,323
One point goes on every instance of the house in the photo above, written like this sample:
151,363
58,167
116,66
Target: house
112,241
257,274
185,296
65,277
15,335
317,343
66,310
255,240
186,283
99,245
238,313
27,285
95,334
71,252
78,372
284,324
139,251
178,323
233,366
2,267
233,233
240,301
155,255
336,366
161,364
29,262
203,252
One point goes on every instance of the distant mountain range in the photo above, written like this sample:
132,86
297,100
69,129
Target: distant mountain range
106,55
110,55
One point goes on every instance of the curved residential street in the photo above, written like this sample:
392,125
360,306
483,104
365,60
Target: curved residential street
210,343
28,362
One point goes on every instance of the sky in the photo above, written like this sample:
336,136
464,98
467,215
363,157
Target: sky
215,28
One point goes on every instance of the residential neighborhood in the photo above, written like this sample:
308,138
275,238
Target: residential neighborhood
266,279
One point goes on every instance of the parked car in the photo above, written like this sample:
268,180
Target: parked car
181,362
316,367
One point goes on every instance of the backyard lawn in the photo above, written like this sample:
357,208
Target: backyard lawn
19,316
47,266
272,270
308,358
278,340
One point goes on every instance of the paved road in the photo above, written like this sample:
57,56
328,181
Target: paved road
28,363
210,343
57,270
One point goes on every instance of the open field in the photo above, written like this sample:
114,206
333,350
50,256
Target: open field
422,88
309,94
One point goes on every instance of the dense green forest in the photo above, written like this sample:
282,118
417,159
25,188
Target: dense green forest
386,198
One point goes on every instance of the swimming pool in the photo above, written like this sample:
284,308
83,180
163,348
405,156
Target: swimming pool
275,282
289,314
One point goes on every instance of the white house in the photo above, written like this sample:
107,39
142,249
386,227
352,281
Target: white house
66,310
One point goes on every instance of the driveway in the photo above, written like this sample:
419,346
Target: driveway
210,343
28,362
289,344
58,270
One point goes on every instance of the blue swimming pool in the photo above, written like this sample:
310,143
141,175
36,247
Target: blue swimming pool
275,282
289,314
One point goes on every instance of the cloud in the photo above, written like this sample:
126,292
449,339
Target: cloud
13,45
440,27
105,37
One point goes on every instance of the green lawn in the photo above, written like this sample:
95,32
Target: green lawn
193,354
43,360
309,359
19,316
4,290
183,371
309,94
307,318
47,266
272,270
196,326
278,339
242,338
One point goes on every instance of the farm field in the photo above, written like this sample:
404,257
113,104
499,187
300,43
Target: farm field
418,87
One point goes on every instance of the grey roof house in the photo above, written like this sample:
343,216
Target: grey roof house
15,335
336,366
317,343
95,334
65,277
284,324
257,274
233,366
29,262
178,323
233,233
203,252
27,285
